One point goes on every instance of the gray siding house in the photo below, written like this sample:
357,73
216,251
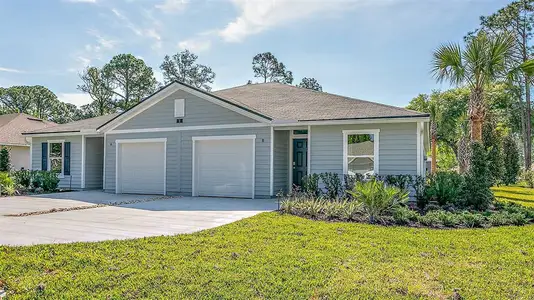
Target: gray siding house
250,141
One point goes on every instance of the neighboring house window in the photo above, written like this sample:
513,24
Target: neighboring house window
56,157
360,152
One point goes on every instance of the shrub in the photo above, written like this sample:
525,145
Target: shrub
22,178
5,165
492,141
511,207
377,198
47,180
444,187
350,210
310,185
403,182
349,181
476,191
511,161
471,220
403,215
419,186
7,185
528,177
332,184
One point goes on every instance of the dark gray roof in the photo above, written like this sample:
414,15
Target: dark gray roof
287,102
77,126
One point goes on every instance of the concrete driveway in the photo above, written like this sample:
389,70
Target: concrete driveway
152,218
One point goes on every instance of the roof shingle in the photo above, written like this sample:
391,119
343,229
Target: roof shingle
13,125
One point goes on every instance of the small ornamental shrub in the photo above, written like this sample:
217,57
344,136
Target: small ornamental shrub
46,180
377,198
332,184
403,182
492,141
349,181
5,164
23,178
528,177
471,220
476,191
444,188
419,186
510,161
310,185
403,215
7,184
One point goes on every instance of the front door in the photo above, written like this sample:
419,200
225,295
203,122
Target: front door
300,160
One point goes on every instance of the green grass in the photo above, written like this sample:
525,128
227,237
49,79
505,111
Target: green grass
282,257
517,194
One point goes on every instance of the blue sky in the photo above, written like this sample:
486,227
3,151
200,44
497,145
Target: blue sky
377,50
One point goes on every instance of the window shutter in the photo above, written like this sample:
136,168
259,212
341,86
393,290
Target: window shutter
44,156
66,166
179,108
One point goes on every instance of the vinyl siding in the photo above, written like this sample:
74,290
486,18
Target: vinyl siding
281,161
198,112
179,157
68,182
94,158
397,148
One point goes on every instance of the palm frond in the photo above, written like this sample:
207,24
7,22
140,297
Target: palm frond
528,67
447,64
498,52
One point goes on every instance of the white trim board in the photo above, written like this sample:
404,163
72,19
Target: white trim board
292,124
291,138
83,161
136,141
376,150
218,138
188,128
166,92
271,165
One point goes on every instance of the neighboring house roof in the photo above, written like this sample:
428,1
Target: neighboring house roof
271,101
287,102
13,125
77,126
364,148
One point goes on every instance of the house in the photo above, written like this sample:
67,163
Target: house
249,141
11,128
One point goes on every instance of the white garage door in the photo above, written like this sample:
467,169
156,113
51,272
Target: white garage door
141,168
224,168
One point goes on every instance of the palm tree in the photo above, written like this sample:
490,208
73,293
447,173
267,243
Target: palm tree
483,61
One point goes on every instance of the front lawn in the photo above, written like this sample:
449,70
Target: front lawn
282,257
517,194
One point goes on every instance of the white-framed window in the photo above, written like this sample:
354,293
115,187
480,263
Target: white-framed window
179,108
56,157
360,151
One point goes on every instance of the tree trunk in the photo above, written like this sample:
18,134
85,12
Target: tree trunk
477,111
528,141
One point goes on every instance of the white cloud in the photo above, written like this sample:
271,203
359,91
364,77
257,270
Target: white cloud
102,41
259,16
77,99
10,70
172,6
195,45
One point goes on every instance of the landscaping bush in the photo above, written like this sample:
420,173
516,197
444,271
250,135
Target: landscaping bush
511,161
444,188
492,141
332,184
349,181
528,177
310,185
22,178
403,215
472,220
5,164
476,191
50,181
7,185
403,182
377,198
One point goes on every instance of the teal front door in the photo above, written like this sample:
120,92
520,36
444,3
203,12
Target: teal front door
300,160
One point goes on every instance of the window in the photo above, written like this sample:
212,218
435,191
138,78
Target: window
56,155
300,131
179,108
360,152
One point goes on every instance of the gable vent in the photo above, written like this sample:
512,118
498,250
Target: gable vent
179,108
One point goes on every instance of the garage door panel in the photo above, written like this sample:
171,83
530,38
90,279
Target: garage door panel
141,168
224,168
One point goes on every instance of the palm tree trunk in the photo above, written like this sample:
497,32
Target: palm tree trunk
477,111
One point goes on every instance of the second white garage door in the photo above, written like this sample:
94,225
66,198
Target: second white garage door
141,167
224,168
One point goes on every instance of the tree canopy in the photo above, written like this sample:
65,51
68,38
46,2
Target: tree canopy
267,67
310,83
182,67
